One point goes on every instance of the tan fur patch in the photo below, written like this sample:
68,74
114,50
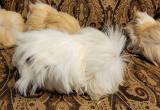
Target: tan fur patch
9,22
44,16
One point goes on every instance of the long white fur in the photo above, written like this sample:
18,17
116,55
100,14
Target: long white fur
54,61
104,65
88,61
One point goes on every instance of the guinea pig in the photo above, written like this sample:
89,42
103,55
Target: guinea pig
9,22
43,16
144,37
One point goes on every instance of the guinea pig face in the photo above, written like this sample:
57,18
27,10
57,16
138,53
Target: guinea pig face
135,30
133,44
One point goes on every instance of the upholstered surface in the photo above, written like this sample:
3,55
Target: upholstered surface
140,89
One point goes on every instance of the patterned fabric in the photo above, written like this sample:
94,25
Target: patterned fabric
140,89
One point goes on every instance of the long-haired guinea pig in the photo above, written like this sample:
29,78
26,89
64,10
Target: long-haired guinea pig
9,22
89,61
144,36
42,16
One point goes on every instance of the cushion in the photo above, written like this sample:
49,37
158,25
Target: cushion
140,89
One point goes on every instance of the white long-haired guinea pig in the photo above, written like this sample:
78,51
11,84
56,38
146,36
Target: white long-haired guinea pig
88,61
144,34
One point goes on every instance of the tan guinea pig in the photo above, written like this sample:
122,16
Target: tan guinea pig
144,36
9,21
43,16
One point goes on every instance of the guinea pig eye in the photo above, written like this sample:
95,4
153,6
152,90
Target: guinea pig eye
132,46
29,60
